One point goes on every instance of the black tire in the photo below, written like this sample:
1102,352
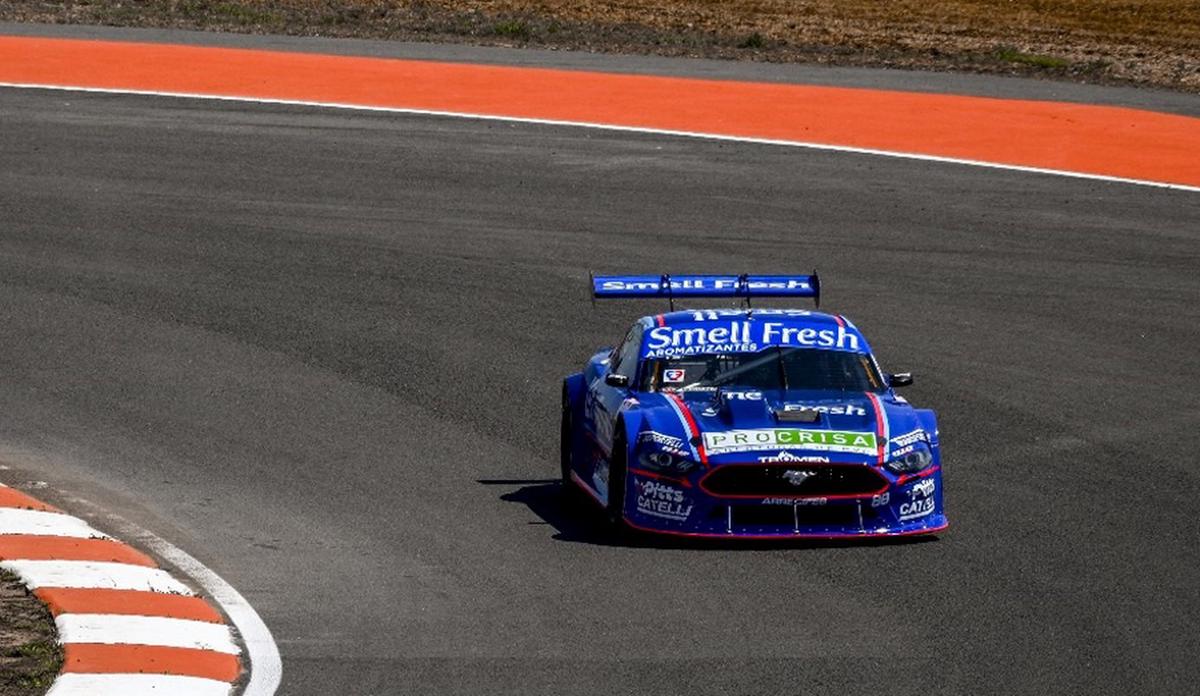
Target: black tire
566,445
616,485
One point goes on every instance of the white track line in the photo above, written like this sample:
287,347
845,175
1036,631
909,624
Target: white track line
266,667
627,129
74,684
96,576
41,523
118,629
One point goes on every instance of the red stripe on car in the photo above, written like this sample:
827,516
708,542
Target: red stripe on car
690,422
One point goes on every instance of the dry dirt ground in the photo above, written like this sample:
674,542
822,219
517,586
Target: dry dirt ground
1145,42
29,653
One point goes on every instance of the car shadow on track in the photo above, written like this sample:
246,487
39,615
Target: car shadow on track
576,518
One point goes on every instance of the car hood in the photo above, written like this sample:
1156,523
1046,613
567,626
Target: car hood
784,425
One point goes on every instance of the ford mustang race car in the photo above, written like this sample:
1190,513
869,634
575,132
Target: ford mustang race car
748,422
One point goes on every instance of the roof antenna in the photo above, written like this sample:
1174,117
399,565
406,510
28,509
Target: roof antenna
665,284
592,286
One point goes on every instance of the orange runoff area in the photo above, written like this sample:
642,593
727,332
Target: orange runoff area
1095,140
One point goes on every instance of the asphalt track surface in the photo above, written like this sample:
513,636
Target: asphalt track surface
321,351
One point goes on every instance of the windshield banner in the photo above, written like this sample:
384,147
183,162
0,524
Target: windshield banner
743,337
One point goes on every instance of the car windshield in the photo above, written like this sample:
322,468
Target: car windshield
773,368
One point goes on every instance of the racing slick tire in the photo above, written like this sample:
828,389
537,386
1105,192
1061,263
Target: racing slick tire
566,447
616,486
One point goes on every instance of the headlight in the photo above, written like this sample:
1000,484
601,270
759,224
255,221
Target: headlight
918,459
667,463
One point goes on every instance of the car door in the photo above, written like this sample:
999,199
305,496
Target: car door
604,397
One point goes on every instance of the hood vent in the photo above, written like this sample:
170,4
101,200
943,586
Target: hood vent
798,415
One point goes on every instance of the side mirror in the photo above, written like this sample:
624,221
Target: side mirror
900,379
612,379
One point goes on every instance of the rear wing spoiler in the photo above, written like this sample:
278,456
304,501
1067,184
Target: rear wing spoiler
743,286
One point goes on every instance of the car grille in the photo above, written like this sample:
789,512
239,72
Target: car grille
797,480
785,516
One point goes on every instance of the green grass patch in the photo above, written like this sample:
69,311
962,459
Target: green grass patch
1012,55
513,29
41,661
30,656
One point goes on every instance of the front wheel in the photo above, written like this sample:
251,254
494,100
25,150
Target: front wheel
616,484
566,449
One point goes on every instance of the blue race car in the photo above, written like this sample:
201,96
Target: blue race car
748,422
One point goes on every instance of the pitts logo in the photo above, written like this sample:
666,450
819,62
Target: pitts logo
743,337
660,500
783,439
922,489
921,501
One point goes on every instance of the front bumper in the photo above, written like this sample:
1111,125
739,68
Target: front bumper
908,506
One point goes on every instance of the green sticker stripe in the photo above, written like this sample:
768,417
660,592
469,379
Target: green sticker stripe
790,437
